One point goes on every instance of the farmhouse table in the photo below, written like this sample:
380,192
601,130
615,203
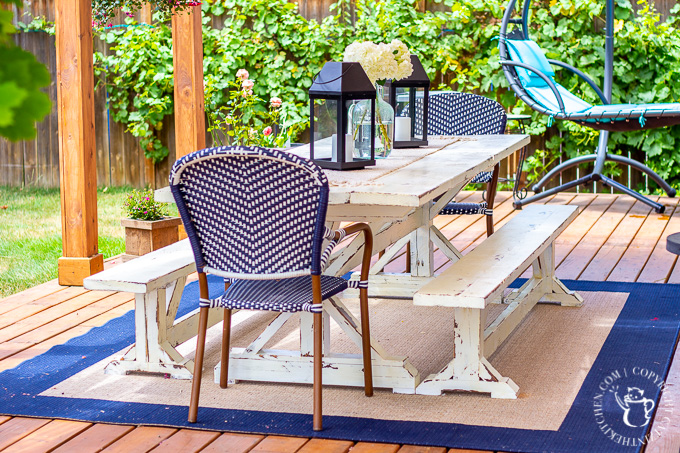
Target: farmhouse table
398,198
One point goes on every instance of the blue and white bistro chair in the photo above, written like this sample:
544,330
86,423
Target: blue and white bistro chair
256,217
454,113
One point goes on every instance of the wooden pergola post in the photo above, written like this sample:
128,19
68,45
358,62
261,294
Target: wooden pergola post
77,154
75,99
187,53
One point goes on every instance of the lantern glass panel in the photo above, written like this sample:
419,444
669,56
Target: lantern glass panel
325,127
417,117
327,136
408,114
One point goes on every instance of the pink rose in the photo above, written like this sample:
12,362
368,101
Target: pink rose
247,93
267,131
242,74
247,84
275,102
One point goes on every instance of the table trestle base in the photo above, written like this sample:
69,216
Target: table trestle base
254,363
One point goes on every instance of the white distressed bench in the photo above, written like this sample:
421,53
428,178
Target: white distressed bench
480,278
157,281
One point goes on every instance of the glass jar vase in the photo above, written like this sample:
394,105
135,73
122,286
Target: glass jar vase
360,121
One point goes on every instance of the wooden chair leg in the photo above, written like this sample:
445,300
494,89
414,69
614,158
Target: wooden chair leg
198,364
200,349
366,342
318,366
318,354
491,196
226,339
408,257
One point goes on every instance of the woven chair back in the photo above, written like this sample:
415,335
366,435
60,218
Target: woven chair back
251,212
453,113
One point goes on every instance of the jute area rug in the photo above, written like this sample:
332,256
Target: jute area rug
548,356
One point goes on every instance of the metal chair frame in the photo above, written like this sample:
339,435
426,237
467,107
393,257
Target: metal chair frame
318,260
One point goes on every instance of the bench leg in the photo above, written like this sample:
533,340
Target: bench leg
544,285
544,268
469,370
157,332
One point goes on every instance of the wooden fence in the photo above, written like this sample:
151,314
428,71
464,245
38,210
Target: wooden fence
120,160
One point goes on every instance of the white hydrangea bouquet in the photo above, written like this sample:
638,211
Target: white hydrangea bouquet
380,62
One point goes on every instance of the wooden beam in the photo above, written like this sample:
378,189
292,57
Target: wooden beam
77,153
187,53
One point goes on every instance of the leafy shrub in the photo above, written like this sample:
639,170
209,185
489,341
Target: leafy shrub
140,205
283,51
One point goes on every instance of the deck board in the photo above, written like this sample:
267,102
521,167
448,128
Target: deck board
660,262
326,446
48,437
12,431
95,438
233,443
638,252
613,249
613,239
186,441
140,440
591,242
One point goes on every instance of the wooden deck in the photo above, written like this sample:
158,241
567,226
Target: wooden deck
614,238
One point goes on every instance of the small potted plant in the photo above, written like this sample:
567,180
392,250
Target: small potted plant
148,226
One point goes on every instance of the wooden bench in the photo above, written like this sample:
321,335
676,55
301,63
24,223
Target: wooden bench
157,281
480,278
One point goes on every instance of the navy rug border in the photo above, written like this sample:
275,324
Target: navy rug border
650,318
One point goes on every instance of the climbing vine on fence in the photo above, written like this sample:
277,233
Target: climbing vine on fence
283,51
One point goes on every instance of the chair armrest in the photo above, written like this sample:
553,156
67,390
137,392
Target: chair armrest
368,244
582,75
545,78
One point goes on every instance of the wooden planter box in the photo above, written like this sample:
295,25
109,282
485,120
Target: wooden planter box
145,236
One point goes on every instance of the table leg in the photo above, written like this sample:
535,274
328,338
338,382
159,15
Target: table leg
422,252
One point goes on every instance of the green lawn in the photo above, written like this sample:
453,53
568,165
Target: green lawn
30,234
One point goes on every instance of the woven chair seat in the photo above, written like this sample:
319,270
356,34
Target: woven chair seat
285,295
466,209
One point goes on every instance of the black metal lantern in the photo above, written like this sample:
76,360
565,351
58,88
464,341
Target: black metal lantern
333,96
409,98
